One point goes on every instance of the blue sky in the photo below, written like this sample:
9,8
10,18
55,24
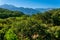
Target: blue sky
33,3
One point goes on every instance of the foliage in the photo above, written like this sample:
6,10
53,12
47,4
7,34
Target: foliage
16,25
10,35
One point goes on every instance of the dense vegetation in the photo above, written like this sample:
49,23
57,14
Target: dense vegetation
16,25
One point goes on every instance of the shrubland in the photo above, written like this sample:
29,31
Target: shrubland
16,25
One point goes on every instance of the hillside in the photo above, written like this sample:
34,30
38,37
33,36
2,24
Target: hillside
5,13
16,25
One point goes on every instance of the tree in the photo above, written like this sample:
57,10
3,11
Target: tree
10,35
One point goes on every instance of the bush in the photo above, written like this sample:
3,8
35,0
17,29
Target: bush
10,35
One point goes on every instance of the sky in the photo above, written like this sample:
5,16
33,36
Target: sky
33,3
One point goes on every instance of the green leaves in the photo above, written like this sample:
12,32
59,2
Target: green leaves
10,35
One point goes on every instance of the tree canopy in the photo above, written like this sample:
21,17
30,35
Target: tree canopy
16,25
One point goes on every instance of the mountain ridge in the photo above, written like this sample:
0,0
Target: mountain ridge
22,9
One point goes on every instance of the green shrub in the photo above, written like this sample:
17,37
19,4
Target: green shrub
10,35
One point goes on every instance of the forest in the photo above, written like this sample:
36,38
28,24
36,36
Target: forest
15,25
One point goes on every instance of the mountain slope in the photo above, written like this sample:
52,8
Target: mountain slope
4,13
24,10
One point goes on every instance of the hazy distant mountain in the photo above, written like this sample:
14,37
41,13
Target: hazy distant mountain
22,9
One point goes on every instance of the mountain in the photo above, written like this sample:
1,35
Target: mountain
43,9
22,9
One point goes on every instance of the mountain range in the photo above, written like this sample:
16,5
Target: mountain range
24,10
